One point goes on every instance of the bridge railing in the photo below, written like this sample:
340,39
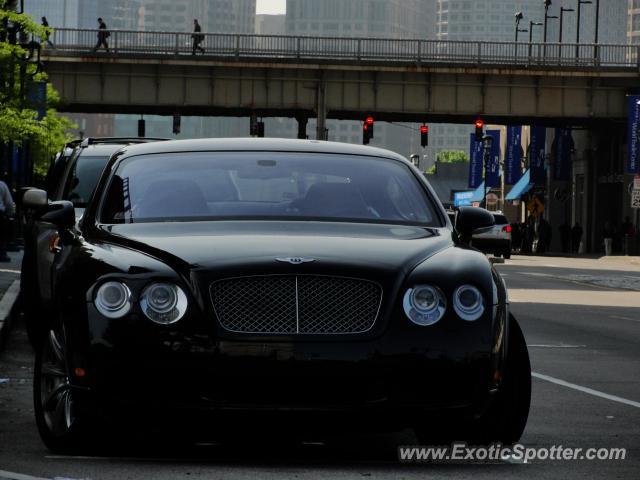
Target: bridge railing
129,42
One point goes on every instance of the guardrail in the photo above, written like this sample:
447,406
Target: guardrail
346,49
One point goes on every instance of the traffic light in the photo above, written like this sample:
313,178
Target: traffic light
176,123
365,134
141,127
424,135
479,129
370,121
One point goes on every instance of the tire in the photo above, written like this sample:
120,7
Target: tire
64,425
506,254
506,418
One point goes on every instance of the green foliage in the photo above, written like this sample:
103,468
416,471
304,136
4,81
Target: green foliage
448,156
18,119
452,156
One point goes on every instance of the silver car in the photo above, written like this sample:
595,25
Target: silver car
497,240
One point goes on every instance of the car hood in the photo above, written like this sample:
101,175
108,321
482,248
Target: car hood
265,246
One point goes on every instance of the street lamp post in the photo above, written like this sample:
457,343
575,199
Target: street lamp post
547,4
562,10
487,142
579,11
531,25
519,17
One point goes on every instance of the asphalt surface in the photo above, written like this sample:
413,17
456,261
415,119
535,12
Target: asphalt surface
584,341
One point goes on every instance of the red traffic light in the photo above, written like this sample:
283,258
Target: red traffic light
424,129
369,120
479,123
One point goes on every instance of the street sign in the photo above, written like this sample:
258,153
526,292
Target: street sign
535,207
462,198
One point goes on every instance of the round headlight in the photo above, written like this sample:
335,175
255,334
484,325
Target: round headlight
468,303
113,299
424,304
163,303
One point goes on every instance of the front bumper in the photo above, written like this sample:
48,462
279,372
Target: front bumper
448,368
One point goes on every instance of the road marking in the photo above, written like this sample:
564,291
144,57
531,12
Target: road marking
624,318
590,391
4,270
556,346
18,476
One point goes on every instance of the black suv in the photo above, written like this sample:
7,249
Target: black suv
73,176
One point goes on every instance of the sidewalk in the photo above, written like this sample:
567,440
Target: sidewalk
9,290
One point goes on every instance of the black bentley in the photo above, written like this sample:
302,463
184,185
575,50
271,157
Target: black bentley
256,279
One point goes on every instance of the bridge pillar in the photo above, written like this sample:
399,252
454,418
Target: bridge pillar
321,108
302,126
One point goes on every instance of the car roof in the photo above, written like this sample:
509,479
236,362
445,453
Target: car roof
101,149
258,145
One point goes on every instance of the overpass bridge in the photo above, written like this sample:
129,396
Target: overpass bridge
343,78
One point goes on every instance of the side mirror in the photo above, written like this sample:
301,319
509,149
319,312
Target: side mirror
35,199
61,214
472,219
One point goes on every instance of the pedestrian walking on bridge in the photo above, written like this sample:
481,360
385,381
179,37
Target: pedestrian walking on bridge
103,34
197,37
45,37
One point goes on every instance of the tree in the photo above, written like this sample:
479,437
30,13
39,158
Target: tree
452,156
19,116
448,156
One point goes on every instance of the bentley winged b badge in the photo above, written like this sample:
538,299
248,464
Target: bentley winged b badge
295,260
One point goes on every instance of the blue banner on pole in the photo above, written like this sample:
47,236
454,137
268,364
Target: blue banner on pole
536,155
562,160
475,163
513,160
493,166
633,138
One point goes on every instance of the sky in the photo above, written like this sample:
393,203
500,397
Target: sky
271,6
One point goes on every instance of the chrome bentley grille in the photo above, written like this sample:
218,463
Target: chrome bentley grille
296,304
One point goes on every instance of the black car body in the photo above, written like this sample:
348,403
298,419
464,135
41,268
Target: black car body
72,176
290,307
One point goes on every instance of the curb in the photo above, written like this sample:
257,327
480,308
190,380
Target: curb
6,306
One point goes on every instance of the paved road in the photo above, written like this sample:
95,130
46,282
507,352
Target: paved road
585,347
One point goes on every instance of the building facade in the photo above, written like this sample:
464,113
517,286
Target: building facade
633,22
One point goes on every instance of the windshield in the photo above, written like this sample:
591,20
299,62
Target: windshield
84,178
201,186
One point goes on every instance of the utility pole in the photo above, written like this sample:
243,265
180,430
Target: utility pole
562,10
580,2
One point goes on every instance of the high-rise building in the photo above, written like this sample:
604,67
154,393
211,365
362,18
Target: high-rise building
633,22
270,24
363,18
369,18
64,13
492,20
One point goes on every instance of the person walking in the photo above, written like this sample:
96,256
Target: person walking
197,37
7,209
45,37
103,34
576,238
565,237
607,234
